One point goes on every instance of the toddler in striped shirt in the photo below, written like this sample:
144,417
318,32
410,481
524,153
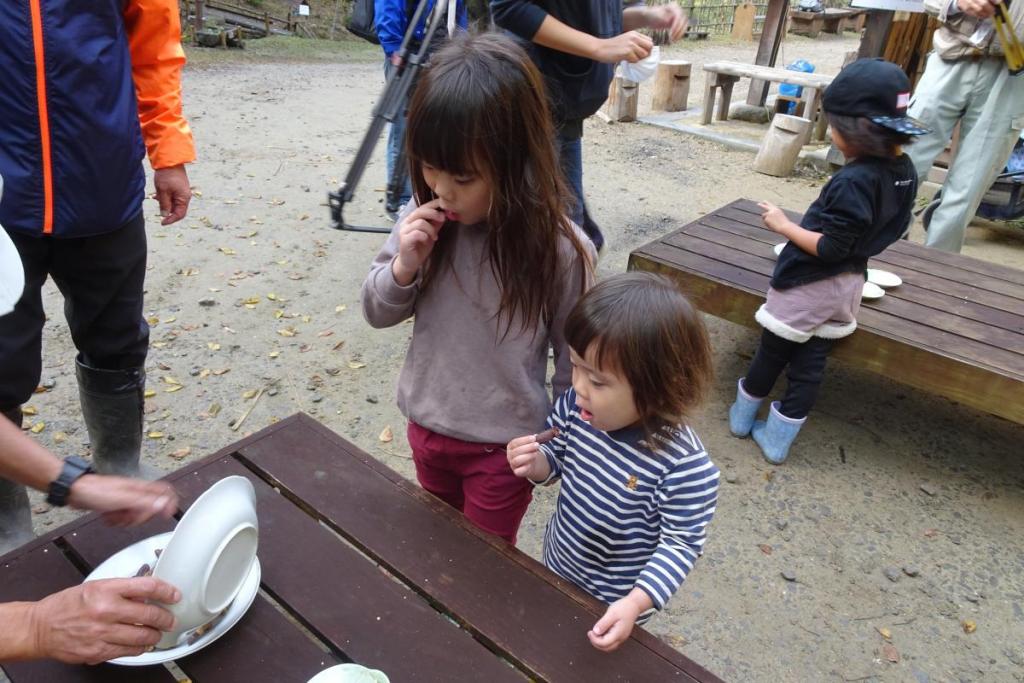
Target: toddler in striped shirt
638,489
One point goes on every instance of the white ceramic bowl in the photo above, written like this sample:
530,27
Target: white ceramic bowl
349,673
210,554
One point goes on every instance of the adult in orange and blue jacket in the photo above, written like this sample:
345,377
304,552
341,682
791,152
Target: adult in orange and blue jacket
88,89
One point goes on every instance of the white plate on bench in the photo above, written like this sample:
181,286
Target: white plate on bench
872,291
884,278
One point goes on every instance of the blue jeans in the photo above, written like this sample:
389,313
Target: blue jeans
570,157
396,138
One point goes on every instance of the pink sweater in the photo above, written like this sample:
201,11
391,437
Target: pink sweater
461,378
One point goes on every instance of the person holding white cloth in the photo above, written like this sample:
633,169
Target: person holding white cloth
966,79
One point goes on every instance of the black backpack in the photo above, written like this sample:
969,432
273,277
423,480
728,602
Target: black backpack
361,21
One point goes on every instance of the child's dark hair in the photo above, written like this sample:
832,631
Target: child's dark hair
866,138
480,108
642,327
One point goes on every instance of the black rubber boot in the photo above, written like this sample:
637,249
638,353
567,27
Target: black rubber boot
15,513
112,403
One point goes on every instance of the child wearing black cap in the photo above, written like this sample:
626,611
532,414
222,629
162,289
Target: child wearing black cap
816,288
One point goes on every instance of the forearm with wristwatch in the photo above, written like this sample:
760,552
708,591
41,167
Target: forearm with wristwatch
27,462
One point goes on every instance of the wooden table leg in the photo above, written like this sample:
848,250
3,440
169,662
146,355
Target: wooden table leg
723,104
813,99
822,122
709,98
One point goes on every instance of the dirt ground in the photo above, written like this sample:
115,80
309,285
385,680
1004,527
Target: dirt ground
897,512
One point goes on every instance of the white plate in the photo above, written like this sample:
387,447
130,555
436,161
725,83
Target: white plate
349,673
884,278
872,291
127,562
779,247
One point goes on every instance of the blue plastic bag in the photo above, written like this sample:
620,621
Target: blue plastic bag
795,90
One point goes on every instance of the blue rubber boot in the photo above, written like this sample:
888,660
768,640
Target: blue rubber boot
743,411
775,436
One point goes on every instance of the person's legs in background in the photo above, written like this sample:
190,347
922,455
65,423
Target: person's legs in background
396,138
989,129
570,156
102,278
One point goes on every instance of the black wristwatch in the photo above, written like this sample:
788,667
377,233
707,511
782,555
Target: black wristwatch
60,488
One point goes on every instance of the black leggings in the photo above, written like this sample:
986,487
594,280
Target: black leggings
806,363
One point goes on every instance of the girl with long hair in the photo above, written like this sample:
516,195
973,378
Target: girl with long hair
487,261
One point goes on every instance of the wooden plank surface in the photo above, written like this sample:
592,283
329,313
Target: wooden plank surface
528,615
34,575
264,645
954,326
769,73
344,598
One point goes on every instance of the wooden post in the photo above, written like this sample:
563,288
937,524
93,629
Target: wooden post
876,33
743,21
266,24
781,145
197,23
671,86
768,48
623,97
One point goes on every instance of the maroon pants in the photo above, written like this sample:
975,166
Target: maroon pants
473,478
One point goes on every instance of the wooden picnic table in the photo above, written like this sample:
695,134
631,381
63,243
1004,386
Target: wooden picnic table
955,326
723,75
358,564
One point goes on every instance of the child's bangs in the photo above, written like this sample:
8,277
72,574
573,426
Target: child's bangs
445,130
583,332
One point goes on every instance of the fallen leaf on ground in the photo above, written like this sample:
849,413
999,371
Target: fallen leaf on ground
39,390
884,632
163,366
29,410
386,436
931,533
325,333
251,301
969,626
169,320
765,548
287,332
213,346
213,410
249,394
59,437
274,354
891,653
339,309
221,371
155,435
168,379
356,364
204,373
227,251
272,296
172,389
338,345
38,427
180,453
306,318
305,347
153,321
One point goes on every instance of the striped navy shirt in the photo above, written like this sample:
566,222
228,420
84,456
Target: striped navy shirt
626,517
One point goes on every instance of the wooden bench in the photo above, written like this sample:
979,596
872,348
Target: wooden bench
360,565
955,326
721,76
832,20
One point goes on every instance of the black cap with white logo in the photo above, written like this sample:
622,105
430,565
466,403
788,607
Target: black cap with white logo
877,90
